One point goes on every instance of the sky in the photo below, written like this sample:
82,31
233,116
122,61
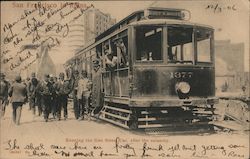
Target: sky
230,19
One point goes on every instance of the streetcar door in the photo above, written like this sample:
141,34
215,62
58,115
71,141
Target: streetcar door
97,96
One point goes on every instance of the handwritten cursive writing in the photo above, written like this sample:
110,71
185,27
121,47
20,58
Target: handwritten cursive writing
218,8
38,153
32,147
84,154
212,147
12,145
125,150
36,23
62,153
78,147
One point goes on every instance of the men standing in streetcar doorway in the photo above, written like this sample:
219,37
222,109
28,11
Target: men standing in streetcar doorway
19,96
45,89
63,89
83,94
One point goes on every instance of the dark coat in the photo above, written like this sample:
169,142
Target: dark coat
45,88
63,88
32,87
4,87
18,92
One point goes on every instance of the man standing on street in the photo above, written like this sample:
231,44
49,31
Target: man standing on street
62,91
45,89
18,94
54,96
27,82
83,94
32,86
75,99
4,87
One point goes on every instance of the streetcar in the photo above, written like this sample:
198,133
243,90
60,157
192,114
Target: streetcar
152,69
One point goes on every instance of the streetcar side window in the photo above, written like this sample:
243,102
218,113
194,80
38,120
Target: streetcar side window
149,43
116,51
110,55
122,53
99,51
203,37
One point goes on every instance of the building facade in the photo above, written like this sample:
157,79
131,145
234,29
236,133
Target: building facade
96,22
231,53
229,66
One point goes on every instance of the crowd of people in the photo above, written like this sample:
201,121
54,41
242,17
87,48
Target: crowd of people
47,96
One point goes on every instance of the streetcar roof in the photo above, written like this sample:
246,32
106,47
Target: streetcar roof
141,17
168,22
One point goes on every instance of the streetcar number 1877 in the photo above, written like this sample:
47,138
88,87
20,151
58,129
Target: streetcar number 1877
181,74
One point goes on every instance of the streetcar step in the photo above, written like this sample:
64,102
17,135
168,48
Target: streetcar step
118,109
114,122
172,125
115,116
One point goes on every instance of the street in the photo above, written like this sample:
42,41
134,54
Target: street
97,139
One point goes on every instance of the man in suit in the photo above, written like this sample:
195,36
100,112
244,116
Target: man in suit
83,94
18,94
54,96
4,87
62,89
32,86
27,82
45,89
75,99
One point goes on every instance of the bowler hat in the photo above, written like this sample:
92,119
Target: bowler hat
46,75
18,78
61,74
33,74
2,74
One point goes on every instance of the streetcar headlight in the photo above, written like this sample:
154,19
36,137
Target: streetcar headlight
184,87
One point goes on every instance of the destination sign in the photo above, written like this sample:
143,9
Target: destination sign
156,13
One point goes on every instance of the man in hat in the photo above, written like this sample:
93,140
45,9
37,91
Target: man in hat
96,95
32,86
26,82
19,96
45,89
38,97
4,87
62,91
75,100
83,94
54,96
111,60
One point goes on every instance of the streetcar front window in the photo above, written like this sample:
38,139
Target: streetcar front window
203,37
180,44
149,43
